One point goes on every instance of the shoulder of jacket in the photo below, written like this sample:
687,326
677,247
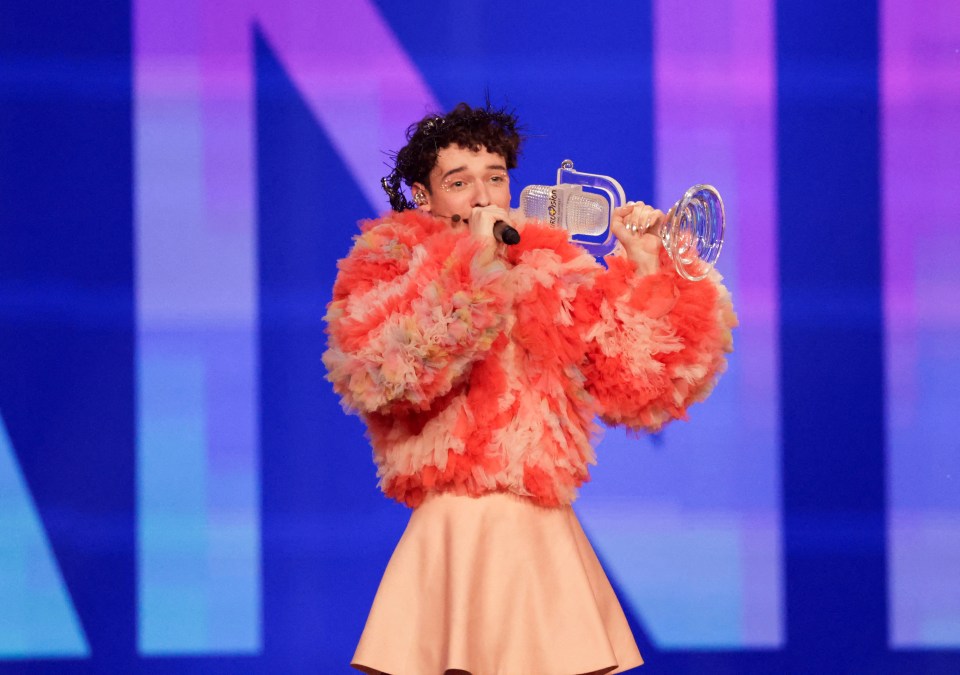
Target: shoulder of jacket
412,221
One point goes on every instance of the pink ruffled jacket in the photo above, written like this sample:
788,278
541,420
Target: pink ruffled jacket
477,376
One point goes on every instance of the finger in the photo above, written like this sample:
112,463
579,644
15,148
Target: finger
481,222
619,229
636,221
648,218
483,219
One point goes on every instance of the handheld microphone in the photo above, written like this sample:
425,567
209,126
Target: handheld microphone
505,233
502,230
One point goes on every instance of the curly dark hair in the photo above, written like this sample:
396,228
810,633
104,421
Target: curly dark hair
471,128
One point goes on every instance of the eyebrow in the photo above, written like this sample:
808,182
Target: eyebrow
497,167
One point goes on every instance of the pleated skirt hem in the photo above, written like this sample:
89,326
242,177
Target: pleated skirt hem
494,585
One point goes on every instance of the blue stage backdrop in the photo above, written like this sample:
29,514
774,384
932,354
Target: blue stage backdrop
180,491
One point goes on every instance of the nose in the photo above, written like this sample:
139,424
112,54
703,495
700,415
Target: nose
481,195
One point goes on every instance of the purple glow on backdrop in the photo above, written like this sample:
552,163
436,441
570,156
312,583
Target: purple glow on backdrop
198,544
920,91
197,279
354,75
704,523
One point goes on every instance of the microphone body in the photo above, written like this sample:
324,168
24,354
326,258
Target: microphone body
503,231
505,234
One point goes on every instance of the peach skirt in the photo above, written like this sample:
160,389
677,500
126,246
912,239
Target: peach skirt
494,585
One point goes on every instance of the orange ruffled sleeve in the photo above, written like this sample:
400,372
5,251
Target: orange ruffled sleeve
414,305
656,344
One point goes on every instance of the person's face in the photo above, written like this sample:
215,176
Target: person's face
463,179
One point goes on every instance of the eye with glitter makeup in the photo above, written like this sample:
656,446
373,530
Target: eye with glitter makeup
495,180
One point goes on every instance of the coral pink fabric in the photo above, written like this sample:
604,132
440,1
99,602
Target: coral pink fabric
474,585
477,376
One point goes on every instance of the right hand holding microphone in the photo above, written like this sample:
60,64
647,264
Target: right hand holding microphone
492,224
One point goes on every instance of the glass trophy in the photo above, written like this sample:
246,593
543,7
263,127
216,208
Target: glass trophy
583,205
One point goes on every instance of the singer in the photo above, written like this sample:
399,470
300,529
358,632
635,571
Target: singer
480,369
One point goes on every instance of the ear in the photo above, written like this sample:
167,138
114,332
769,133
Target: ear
421,196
